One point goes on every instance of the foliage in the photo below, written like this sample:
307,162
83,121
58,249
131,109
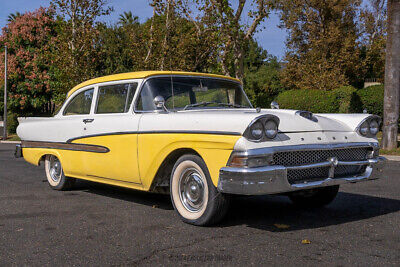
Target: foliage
262,82
373,20
12,122
341,100
29,38
372,99
322,45
77,53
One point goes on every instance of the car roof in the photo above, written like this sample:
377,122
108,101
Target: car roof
143,74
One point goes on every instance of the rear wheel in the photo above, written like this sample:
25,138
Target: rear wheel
314,198
55,174
193,194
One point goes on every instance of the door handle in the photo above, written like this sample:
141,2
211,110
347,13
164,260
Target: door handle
88,120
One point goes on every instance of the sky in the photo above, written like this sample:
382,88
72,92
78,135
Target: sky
271,38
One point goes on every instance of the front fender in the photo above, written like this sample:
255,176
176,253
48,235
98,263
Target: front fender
154,148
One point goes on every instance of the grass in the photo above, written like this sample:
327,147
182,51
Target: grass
12,137
395,152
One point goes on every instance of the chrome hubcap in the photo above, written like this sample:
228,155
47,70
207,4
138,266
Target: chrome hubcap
191,190
55,169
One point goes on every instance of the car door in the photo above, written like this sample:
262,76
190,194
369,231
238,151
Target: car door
69,126
114,126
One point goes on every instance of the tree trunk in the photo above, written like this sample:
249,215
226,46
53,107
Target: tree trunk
166,36
392,77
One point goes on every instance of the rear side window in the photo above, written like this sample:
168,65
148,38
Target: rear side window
116,98
80,104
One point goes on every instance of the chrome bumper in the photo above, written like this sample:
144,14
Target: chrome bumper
273,179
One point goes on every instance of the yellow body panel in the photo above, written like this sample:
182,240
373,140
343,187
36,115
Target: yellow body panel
154,148
118,164
128,167
141,75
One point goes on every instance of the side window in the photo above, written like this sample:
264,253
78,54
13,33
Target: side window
116,98
80,104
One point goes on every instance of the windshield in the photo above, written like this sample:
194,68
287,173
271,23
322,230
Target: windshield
185,93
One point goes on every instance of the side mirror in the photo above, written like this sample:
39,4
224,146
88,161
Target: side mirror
274,105
159,102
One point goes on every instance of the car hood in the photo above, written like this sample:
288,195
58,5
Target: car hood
237,120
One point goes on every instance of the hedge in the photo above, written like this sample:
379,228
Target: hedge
341,100
372,99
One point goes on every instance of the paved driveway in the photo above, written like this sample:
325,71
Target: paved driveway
102,225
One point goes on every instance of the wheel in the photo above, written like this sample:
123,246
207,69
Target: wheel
193,195
55,174
314,198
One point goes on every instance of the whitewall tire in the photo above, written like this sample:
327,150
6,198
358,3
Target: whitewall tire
193,194
55,174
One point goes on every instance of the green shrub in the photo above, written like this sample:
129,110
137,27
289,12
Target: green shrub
348,100
372,99
341,100
12,123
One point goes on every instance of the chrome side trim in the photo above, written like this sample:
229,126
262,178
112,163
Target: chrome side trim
155,132
65,146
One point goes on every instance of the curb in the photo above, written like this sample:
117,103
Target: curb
10,142
392,157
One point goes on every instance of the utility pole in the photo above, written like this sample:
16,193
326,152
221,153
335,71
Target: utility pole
5,95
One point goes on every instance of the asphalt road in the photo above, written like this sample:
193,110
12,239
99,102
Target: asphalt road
102,225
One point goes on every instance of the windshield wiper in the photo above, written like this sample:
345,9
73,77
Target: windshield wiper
211,102
199,104
231,105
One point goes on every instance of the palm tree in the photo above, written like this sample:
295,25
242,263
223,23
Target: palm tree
127,18
13,16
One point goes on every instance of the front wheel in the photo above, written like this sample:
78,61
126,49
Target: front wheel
55,174
314,198
193,194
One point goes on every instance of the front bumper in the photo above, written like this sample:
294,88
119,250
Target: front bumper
273,179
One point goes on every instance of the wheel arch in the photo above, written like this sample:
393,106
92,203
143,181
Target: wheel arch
160,182
36,156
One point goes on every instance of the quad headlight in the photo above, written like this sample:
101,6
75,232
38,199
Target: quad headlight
262,128
370,126
256,130
271,129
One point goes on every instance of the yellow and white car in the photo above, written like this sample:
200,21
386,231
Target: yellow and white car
198,137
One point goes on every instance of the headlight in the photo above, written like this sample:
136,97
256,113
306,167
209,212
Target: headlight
256,130
364,128
271,129
374,127
262,128
370,126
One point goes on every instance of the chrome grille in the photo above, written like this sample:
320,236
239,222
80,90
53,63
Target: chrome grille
304,157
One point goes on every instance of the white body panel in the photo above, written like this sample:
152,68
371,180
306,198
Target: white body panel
294,129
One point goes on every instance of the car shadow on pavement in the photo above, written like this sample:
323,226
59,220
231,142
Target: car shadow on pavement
277,214
161,201
271,213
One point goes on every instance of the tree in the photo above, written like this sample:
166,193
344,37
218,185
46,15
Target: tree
225,22
373,38
126,19
392,77
322,45
77,54
29,38
13,16
262,76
